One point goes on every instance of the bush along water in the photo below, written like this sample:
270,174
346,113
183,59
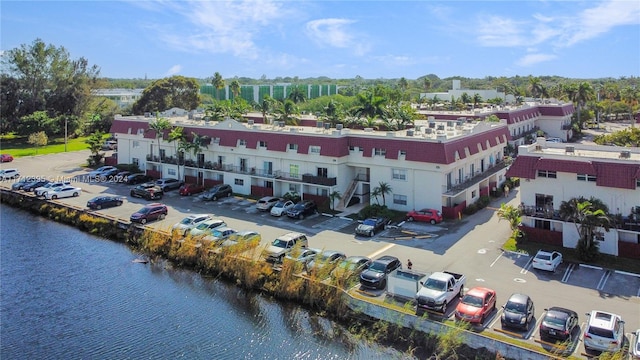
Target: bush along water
321,288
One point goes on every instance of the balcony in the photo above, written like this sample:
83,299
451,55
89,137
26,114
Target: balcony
477,177
525,133
319,180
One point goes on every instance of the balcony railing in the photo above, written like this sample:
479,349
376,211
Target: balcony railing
523,134
319,180
477,177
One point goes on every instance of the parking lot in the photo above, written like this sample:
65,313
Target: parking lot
470,246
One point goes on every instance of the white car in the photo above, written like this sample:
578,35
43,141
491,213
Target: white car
190,222
62,192
207,226
6,174
281,207
50,186
547,260
604,332
220,233
101,170
635,346
266,203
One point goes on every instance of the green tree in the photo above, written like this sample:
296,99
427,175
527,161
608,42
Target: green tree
297,94
333,196
584,92
477,99
287,112
218,83
235,88
266,106
369,105
159,126
385,189
176,91
94,142
536,89
587,216
332,113
176,136
512,214
38,139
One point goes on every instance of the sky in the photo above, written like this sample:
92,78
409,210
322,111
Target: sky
336,39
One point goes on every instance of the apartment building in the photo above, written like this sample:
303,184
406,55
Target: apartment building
551,173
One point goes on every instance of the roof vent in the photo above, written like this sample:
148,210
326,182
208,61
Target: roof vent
625,154
538,147
410,132
250,122
338,126
569,149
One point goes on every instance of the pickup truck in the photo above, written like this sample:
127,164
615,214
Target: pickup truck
439,290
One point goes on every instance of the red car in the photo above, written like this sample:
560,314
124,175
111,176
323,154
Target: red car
190,189
476,305
427,215
6,158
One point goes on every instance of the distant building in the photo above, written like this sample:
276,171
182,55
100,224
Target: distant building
122,97
551,173
255,93
457,92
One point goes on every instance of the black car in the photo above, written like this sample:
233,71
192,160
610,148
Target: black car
155,211
217,192
109,175
22,182
147,191
518,312
302,209
371,226
120,177
139,178
102,202
375,276
34,185
558,323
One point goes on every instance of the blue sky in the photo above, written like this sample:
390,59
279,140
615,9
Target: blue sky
337,39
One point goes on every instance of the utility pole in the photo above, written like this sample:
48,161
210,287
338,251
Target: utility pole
66,118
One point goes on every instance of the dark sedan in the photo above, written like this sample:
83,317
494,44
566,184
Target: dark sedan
22,182
102,202
371,226
302,209
34,185
558,323
139,178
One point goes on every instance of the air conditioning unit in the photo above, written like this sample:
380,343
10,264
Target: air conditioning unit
339,126
410,132
281,123
569,149
625,154
250,122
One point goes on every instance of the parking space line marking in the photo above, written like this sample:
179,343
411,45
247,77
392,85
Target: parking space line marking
626,273
527,267
567,273
603,280
376,253
496,260
496,318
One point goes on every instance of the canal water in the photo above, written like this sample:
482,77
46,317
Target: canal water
69,295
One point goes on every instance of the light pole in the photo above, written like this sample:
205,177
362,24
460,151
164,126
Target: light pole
66,118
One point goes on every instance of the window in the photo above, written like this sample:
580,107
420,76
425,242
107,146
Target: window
314,149
323,172
171,172
140,131
403,152
586,177
473,194
543,224
355,148
379,152
163,154
242,142
294,171
399,199
135,161
262,144
547,174
216,140
238,182
135,144
399,174
293,147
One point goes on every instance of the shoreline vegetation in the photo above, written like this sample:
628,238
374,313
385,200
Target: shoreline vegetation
242,264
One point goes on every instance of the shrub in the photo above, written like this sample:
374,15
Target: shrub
483,202
471,209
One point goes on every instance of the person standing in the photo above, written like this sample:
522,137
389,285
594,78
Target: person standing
409,264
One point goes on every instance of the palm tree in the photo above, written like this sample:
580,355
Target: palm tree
159,125
218,83
335,195
512,214
584,92
333,112
426,84
175,136
535,87
369,105
385,189
477,99
375,193
235,88
297,94
266,106
465,98
286,112
587,215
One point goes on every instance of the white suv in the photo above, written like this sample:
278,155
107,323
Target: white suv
284,244
605,332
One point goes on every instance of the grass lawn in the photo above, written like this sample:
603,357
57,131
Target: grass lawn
18,146
570,255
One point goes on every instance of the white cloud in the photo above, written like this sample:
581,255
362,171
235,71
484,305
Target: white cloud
532,59
500,32
175,69
331,32
595,21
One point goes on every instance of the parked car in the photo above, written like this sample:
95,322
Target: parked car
281,207
266,203
427,215
110,145
635,346
351,267
138,178
604,332
150,212
439,290
109,175
101,202
518,312
476,305
121,176
5,158
303,255
219,234
375,276
547,260
558,323
18,185
62,192
185,225
39,191
326,258
190,189
302,209
283,245
99,172
371,226
167,184
147,191
206,227
6,174
217,192
240,237
32,186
